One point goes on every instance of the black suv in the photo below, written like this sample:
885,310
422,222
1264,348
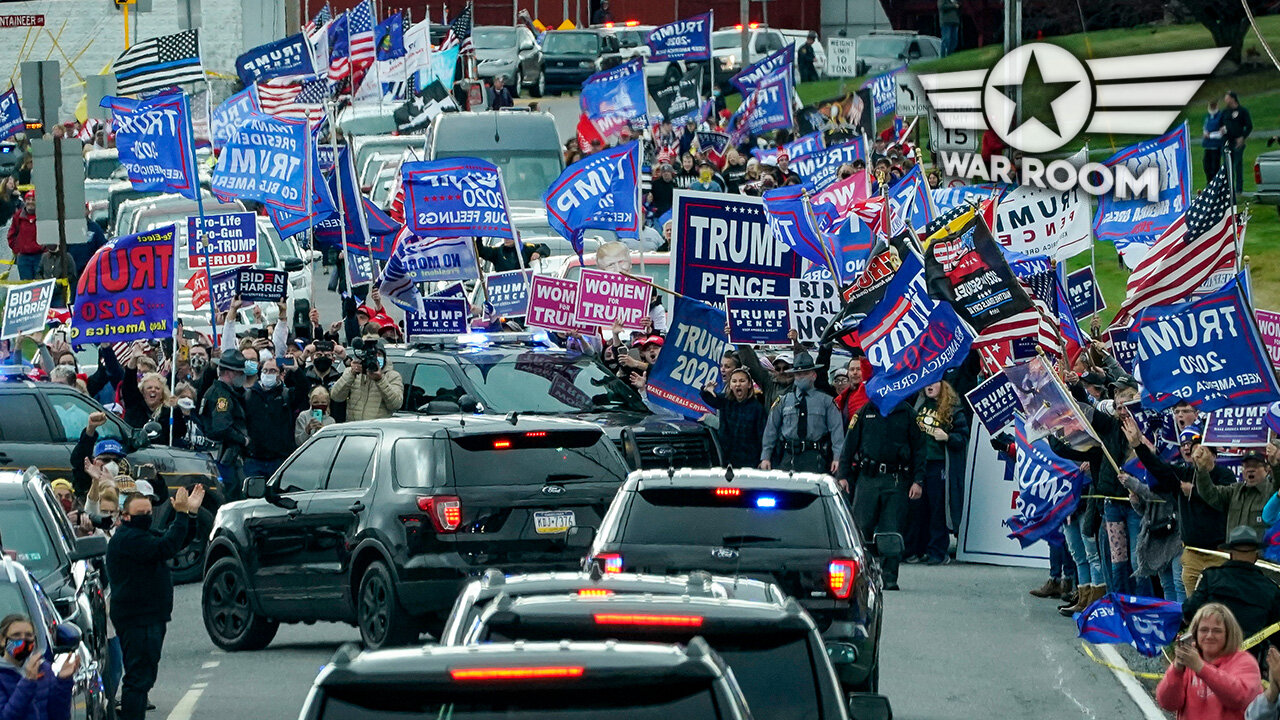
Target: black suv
572,56
37,534
792,529
523,372
379,523
532,681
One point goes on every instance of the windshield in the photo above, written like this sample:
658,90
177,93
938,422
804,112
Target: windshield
562,43
726,40
752,517
12,600
631,38
494,38
100,168
547,383
883,47
525,175
26,538
683,699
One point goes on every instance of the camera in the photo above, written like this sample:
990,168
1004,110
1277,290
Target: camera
366,353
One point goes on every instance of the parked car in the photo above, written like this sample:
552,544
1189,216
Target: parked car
572,56
513,53
726,49
103,165
525,145
1266,179
881,51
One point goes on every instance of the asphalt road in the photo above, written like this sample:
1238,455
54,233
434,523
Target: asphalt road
962,641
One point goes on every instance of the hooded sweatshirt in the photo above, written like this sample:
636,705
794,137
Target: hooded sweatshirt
48,698
1222,689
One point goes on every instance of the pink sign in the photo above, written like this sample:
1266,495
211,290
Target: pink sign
551,305
1269,324
605,297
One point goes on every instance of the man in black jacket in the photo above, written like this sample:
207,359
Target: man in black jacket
504,257
142,590
223,416
1238,124
1239,584
269,417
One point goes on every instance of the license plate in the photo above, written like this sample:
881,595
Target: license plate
553,521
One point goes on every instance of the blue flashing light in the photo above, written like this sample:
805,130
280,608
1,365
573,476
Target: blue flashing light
766,501
473,338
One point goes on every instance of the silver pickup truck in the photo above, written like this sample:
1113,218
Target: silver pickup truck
1266,178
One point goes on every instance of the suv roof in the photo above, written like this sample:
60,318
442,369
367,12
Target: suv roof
666,612
494,583
749,479
458,425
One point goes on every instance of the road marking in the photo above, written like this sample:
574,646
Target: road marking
187,705
210,664
199,685
1149,709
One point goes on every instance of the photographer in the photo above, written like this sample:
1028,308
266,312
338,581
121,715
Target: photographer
1211,677
370,387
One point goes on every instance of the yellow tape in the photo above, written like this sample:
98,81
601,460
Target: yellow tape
1251,641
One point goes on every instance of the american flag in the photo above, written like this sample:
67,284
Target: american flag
321,19
459,33
362,45
158,63
1195,246
287,98
339,45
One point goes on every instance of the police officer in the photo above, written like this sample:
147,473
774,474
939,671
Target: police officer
225,422
883,463
804,432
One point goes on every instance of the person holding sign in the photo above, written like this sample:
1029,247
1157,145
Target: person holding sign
804,432
742,418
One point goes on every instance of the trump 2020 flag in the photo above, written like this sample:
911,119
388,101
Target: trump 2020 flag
1148,624
455,197
225,118
689,358
154,140
774,65
11,121
600,192
793,224
688,39
126,290
1048,490
1134,224
287,56
768,107
1208,352
910,338
617,92
911,195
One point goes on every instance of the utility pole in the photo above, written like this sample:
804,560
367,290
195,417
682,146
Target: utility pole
744,18
1012,40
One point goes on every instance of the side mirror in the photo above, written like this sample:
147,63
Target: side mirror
914,55
66,637
869,706
580,536
152,430
889,544
255,486
468,404
294,264
88,548
526,46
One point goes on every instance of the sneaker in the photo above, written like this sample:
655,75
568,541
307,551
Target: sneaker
891,586
944,560
915,559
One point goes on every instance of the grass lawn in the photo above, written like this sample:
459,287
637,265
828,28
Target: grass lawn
1259,91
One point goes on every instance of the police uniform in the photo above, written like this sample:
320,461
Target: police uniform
883,456
804,431
223,416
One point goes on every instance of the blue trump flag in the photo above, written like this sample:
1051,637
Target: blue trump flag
690,358
1125,222
912,192
287,56
322,208
11,121
269,160
1208,352
455,197
227,117
910,338
617,92
775,65
768,107
601,191
126,290
793,224
822,167
884,91
154,140
389,38
366,224
1048,490
812,142
688,39
1147,624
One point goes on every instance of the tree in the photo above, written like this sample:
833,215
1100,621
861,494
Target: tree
1225,20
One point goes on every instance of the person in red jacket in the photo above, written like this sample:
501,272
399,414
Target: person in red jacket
1211,678
22,239
852,398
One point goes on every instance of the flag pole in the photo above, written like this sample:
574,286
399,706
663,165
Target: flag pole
342,212
311,209
200,236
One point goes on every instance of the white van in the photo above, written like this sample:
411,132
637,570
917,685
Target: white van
762,41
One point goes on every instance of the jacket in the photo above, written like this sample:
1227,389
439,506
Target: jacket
1250,595
22,234
1242,504
1200,524
1155,547
48,698
368,399
504,258
137,414
893,439
269,421
300,433
223,418
741,428
771,388
1222,689
138,568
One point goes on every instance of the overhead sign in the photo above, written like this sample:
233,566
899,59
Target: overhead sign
911,99
842,57
229,240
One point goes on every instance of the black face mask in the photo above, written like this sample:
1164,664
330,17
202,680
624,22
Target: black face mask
322,364
138,522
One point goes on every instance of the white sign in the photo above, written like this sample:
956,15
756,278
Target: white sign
911,97
1045,222
842,57
952,139
813,303
989,501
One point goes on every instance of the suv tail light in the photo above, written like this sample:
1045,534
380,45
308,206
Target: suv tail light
841,575
659,620
516,673
445,511
609,562
1257,173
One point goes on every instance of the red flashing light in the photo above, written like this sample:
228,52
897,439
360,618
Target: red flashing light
632,23
728,492
516,673
610,562
609,24
642,619
501,444
445,512
594,592
841,576
536,433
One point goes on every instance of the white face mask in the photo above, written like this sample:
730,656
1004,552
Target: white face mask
112,468
1107,406
269,380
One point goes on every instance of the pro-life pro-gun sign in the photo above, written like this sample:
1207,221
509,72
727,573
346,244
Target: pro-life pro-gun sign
232,240
25,308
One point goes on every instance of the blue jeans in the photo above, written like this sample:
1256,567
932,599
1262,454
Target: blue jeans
950,38
114,670
1084,551
28,266
1060,565
1120,519
1171,580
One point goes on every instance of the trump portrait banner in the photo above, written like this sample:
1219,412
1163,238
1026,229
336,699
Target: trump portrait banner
690,358
153,138
125,292
455,197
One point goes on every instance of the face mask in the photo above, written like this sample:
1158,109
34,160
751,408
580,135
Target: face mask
72,368
1107,406
138,522
20,649
197,362
269,380
382,362
112,468
322,364
187,404
68,503
804,383
251,367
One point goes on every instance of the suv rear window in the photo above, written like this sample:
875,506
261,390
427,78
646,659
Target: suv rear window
26,538
750,517
503,459
671,699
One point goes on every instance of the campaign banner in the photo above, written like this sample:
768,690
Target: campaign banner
1269,325
776,64
154,141
793,223
994,403
1049,489
601,191
360,269
1134,224
455,197
222,289
1044,222
758,321
287,56
910,338
1083,295
1243,426
812,305
439,316
228,240
617,92
822,168
125,291
1124,350
227,117
269,160
1147,624
723,246
690,359
508,292
1207,351
681,99
688,39
968,269
427,259
884,91
1049,408
553,304
768,107
810,143
25,308
11,120
605,297
991,491
255,285
909,199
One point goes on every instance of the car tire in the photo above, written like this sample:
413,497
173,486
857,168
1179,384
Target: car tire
229,617
518,84
188,565
540,88
382,622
